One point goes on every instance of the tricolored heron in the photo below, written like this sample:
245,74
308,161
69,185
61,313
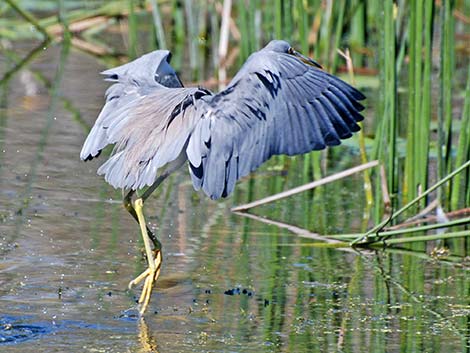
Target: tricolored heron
280,102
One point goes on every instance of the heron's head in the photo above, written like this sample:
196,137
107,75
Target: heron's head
281,46
146,70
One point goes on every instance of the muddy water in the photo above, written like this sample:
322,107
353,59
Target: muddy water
229,284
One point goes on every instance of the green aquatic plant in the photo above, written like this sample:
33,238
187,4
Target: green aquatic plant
394,38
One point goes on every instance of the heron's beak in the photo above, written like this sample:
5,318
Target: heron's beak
306,59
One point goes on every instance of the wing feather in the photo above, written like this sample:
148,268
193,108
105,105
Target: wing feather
342,129
276,104
154,134
132,82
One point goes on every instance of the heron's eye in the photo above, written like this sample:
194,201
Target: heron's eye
290,50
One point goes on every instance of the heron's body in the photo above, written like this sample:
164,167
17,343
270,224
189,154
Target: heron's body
279,102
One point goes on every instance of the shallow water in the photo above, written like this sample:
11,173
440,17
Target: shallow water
229,284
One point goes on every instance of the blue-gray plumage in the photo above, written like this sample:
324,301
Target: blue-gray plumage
280,102
133,81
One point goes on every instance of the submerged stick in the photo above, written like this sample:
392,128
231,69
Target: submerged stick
306,187
77,25
301,232
338,240
304,233
426,219
381,225
89,47
400,231
459,234
456,222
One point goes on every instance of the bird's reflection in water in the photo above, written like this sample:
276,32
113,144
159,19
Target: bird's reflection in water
147,341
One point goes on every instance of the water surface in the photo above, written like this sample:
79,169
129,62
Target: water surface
229,283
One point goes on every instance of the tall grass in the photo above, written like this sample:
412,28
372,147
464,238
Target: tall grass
445,90
132,31
158,25
419,98
318,299
397,39
385,143
462,181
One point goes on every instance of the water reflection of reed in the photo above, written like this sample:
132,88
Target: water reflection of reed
306,298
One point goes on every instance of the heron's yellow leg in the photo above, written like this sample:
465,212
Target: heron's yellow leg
151,274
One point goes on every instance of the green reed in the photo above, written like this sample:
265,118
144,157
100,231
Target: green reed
419,98
395,38
357,32
461,181
397,285
244,24
338,31
301,13
385,143
132,33
158,25
445,90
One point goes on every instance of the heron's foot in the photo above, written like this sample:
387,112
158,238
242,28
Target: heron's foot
149,276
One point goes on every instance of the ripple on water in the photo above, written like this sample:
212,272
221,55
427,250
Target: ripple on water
13,330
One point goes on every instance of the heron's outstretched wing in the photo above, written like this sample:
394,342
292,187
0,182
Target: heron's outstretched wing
133,81
276,104
151,134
